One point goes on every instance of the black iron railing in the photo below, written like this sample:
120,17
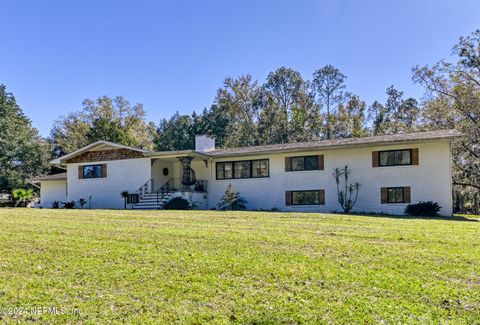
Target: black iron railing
145,189
175,185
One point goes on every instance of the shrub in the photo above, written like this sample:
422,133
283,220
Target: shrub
232,200
423,209
69,205
82,202
56,205
177,203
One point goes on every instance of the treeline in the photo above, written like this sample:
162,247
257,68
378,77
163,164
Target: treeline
286,107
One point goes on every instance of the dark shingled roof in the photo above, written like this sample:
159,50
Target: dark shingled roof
326,144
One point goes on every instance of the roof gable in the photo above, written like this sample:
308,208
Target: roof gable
105,155
102,147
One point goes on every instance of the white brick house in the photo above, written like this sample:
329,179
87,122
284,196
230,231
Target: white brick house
393,170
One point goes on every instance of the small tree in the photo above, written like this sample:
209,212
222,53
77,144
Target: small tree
347,197
232,200
124,194
22,196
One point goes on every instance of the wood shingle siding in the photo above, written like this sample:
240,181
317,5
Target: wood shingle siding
106,155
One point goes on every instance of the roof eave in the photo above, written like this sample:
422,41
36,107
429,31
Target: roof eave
339,146
175,154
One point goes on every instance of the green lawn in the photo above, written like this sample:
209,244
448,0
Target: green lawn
245,267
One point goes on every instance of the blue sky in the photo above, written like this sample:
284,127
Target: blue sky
173,55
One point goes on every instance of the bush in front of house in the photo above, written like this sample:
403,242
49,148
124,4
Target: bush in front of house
69,205
177,203
423,209
56,205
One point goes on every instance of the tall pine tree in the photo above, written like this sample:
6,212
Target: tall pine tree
23,153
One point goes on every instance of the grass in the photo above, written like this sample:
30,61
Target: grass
241,267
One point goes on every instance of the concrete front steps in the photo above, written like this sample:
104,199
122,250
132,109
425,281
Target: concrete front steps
149,201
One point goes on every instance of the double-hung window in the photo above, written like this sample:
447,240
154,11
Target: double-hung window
395,157
306,197
301,163
304,163
395,195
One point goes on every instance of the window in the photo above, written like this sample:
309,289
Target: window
309,197
243,169
395,195
224,170
260,168
93,171
395,157
304,163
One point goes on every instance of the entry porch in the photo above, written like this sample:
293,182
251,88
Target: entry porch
175,175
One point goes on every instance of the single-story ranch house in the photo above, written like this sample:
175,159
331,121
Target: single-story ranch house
393,170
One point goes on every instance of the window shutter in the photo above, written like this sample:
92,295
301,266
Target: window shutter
80,172
321,162
104,170
375,158
288,198
384,195
407,194
288,164
321,197
415,156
